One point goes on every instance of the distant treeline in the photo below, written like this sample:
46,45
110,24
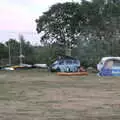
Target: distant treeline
91,29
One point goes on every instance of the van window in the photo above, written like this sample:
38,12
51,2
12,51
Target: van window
75,61
68,61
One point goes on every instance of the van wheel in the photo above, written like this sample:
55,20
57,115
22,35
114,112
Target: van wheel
58,70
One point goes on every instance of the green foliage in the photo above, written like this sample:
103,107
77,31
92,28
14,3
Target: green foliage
91,29
3,51
58,24
14,47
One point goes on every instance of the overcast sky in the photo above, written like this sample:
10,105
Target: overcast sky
18,17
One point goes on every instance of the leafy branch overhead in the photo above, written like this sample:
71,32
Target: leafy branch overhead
58,23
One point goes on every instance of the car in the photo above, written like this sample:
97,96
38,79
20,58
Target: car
40,66
65,65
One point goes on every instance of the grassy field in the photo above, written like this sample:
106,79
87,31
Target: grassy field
37,95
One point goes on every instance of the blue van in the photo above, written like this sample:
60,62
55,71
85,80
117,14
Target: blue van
65,65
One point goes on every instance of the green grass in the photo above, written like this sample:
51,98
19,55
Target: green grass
35,94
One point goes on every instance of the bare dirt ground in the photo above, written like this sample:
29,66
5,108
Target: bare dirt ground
36,95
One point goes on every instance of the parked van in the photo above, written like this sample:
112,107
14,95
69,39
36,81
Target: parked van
65,65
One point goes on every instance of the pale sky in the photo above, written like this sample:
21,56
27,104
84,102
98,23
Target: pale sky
18,17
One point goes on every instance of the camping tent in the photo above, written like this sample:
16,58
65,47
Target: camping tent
111,67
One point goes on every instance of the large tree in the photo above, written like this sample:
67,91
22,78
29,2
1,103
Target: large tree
92,28
58,24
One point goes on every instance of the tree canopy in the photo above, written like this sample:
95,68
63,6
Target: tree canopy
92,28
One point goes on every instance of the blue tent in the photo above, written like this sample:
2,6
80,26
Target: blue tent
111,67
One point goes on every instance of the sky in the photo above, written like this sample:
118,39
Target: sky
18,17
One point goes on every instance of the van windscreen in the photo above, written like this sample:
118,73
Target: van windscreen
68,61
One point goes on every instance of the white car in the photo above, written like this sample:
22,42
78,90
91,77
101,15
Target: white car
8,68
41,65
26,65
